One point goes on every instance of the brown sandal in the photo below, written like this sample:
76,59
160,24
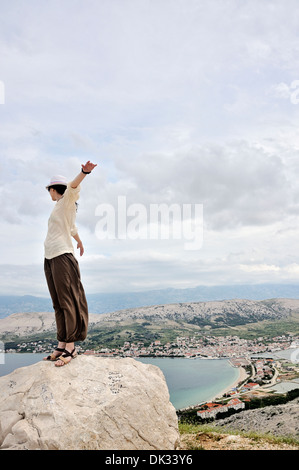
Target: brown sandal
64,356
53,357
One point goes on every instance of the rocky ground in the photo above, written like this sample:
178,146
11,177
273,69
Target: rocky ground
278,420
249,430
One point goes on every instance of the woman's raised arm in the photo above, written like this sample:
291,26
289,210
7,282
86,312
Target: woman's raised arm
86,169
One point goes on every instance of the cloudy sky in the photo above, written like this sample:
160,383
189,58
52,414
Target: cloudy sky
180,102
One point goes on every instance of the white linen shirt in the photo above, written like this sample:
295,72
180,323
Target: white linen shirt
61,224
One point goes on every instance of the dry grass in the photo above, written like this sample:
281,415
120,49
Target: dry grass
207,437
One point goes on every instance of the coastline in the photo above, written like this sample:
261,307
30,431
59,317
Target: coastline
242,376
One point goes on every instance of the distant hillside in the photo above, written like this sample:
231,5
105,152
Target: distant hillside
28,324
106,303
217,313
169,320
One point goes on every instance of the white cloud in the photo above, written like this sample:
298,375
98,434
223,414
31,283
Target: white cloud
177,102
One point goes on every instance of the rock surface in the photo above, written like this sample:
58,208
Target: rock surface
91,403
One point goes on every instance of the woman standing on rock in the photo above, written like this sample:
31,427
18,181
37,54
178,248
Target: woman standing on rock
62,268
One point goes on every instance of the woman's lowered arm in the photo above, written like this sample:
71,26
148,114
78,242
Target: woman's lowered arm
79,243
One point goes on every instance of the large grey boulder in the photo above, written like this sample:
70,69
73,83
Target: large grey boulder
91,403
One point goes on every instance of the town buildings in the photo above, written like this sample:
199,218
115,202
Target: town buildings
211,409
198,346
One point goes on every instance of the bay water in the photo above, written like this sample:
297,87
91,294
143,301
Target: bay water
190,381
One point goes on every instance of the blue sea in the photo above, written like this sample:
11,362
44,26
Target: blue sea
190,381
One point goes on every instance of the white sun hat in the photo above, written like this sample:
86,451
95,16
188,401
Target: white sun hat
58,179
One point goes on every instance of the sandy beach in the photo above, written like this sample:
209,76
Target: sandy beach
242,376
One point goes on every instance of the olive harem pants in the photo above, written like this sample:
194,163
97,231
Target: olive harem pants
68,297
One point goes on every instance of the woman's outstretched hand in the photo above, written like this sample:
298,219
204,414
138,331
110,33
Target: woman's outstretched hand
88,166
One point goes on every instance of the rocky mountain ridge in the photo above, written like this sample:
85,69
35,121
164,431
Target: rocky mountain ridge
242,310
213,313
